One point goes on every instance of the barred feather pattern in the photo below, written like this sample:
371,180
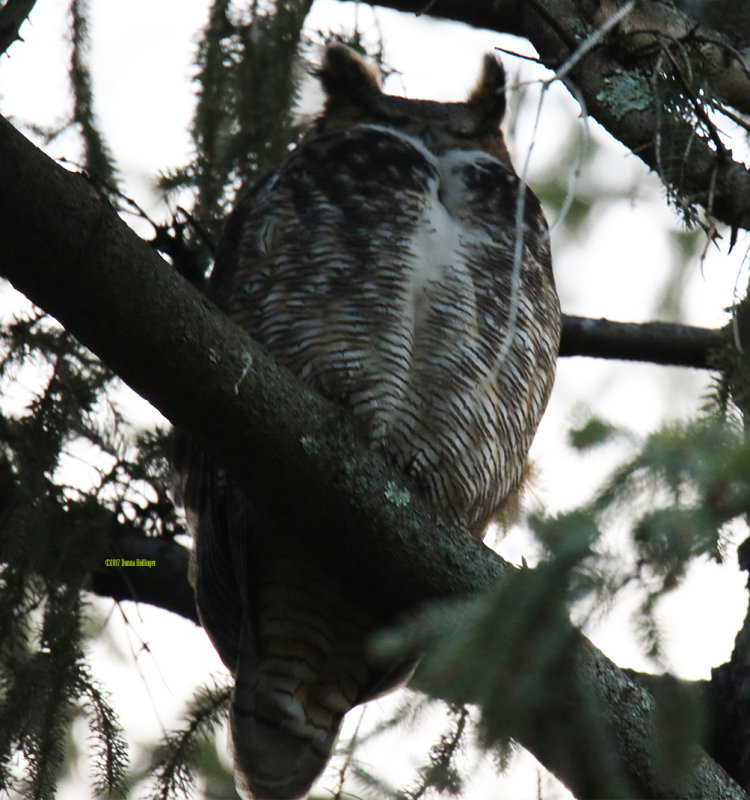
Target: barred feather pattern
385,263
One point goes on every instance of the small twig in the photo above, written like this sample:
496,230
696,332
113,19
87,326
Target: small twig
515,54
593,39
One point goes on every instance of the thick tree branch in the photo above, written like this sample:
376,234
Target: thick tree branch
67,250
163,583
730,694
500,15
70,253
730,682
655,342
691,166
688,163
651,26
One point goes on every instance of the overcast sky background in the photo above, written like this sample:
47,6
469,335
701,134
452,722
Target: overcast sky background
142,54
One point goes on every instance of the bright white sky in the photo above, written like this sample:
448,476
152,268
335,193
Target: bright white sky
142,61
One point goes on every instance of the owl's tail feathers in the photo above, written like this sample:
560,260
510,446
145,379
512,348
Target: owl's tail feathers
278,750
282,738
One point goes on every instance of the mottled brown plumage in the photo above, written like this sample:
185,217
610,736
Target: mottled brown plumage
397,265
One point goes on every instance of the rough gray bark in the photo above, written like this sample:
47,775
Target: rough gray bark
689,163
70,253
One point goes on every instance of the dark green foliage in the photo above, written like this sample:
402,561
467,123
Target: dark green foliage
97,160
503,649
51,537
107,742
731,389
247,80
54,533
473,647
441,774
677,495
700,470
175,758
592,433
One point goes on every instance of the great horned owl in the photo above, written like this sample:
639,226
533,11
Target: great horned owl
396,264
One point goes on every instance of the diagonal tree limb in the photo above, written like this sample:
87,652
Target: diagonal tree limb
70,253
729,693
688,163
652,25
685,160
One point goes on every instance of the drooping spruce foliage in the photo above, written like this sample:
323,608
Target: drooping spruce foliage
53,535
172,768
677,494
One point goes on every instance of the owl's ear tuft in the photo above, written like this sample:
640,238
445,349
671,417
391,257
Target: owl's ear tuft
488,97
346,77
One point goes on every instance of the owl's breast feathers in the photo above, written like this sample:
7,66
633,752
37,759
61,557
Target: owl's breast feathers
417,290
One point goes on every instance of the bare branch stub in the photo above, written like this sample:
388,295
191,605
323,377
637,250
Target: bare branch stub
652,342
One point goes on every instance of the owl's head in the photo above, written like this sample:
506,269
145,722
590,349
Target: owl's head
354,97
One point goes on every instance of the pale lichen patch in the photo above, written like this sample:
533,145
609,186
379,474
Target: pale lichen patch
626,91
397,495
